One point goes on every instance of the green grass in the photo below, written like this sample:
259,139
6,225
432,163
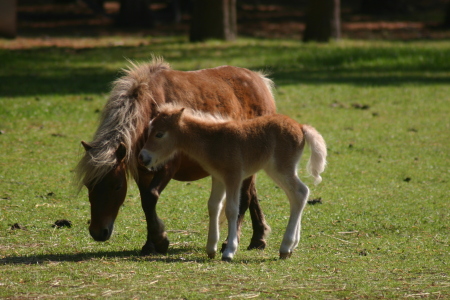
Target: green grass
376,235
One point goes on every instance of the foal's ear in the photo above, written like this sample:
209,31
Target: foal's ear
121,152
86,146
178,114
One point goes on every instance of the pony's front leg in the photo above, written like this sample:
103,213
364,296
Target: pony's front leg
150,186
214,208
232,213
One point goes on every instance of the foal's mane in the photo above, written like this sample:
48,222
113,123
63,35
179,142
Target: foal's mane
198,115
124,117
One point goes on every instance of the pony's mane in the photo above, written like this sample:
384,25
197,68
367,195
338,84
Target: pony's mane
122,120
196,114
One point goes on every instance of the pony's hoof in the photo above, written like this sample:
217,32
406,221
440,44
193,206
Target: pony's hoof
151,248
147,249
257,244
212,255
285,255
162,246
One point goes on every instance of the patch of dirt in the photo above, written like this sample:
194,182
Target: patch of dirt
315,201
62,223
16,226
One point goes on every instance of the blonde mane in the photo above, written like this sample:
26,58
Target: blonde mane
123,119
196,114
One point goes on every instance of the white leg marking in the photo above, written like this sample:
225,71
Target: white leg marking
232,211
297,193
215,203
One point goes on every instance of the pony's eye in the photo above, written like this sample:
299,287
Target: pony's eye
159,135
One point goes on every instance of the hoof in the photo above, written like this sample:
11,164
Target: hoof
257,244
155,248
224,245
285,255
226,258
147,249
211,255
162,246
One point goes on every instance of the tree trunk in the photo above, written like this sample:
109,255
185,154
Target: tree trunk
8,18
323,21
447,15
135,13
214,19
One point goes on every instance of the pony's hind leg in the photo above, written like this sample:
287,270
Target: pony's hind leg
297,193
215,203
260,228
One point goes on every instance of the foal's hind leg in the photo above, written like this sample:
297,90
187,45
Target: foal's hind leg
249,200
297,193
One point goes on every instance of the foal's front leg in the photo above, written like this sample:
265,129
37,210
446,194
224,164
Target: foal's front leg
249,201
215,203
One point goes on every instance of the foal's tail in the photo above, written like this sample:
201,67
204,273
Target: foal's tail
317,161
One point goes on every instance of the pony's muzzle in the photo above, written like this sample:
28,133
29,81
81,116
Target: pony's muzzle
101,234
145,158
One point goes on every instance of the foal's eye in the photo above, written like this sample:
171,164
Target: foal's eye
159,135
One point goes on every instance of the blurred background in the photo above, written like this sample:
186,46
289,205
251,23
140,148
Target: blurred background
319,20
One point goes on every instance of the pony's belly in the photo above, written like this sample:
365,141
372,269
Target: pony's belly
189,170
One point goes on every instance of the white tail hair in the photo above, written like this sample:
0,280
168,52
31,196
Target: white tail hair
317,161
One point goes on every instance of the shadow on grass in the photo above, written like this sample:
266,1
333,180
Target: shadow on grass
176,255
53,70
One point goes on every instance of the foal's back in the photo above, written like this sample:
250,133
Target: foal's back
252,144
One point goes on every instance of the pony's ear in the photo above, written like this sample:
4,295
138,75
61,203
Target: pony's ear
86,146
121,152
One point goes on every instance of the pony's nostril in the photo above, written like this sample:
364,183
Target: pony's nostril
105,233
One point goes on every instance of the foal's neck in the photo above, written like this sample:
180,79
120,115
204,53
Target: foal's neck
194,131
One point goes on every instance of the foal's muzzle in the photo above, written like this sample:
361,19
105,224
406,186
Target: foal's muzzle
145,158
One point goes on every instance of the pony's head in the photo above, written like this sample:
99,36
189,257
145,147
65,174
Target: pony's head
107,186
161,144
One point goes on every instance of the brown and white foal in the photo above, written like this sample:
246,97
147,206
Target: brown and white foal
232,151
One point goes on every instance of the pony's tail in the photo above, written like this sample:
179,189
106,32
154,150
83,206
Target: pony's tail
317,161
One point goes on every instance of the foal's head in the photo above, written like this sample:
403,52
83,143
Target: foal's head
161,143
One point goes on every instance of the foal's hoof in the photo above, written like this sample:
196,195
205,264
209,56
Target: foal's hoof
224,245
285,255
226,258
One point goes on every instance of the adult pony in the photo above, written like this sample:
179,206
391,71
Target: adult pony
233,150
113,154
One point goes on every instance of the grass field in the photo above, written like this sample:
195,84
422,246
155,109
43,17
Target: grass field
381,232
